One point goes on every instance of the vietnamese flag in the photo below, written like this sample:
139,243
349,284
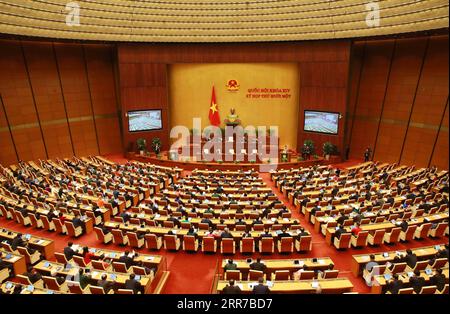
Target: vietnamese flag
214,117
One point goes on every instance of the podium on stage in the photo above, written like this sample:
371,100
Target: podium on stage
285,156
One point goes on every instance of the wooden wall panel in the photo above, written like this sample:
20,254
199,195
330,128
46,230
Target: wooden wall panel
372,88
410,109
18,102
49,98
429,105
440,152
8,153
74,82
356,66
46,87
99,60
399,100
145,86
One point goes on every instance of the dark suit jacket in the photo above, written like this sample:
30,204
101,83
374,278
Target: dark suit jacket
394,286
417,283
438,281
226,235
33,277
261,289
17,241
411,260
133,284
231,290
69,253
339,232
106,285
128,261
258,266
77,222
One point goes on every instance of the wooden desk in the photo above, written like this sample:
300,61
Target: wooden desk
359,261
283,264
4,287
387,225
18,261
379,281
43,245
146,259
161,231
57,268
334,286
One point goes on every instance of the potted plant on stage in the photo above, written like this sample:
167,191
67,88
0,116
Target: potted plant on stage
329,149
156,146
308,149
141,144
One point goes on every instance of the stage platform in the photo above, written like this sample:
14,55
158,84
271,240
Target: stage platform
163,160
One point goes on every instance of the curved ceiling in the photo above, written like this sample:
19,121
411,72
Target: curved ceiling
219,20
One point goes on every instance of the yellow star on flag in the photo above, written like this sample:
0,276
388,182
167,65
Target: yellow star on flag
213,107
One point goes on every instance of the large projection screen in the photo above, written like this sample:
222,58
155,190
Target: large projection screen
144,120
321,122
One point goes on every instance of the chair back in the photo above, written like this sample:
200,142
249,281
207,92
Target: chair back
378,236
120,267
305,244
133,239
118,236
33,220
227,246
406,291
409,235
151,242
138,270
125,291
233,274
306,275
45,222
189,243
74,287
344,240
209,244
99,234
329,274
394,235
428,290
254,275
170,242
168,224
247,245
58,225
362,238
79,260
287,245
398,268
282,275
97,290
440,230
24,280
70,229
51,283
61,258
98,265
439,263
267,245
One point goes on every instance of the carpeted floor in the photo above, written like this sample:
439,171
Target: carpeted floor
193,273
